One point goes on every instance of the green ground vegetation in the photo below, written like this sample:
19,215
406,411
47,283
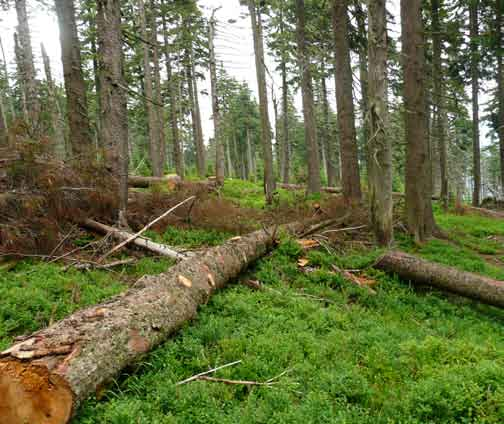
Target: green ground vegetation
402,355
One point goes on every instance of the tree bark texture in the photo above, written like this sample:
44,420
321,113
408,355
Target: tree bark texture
473,14
440,112
27,66
308,102
363,74
44,378
195,114
499,22
20,77
420,271
172,88
75,87
58,144
350,176
220,159
269,176
419,214
285,125
330,141
113,97
152,118
159,106
379,144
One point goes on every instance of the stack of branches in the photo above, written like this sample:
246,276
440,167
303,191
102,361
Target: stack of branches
41,198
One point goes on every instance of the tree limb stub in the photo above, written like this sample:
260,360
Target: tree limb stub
44,378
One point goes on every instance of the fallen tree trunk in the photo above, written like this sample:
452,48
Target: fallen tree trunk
44,378
332,190
172,181
160,249
420,271
488,213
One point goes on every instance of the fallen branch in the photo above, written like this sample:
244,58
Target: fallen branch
321,225
352,278
144,229
241,382
270,382
44,378
341,230
202,374
95,265
420,271
159,249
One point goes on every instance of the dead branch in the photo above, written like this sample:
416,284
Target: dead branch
195,377
144,229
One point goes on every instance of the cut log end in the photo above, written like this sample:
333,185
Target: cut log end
31,394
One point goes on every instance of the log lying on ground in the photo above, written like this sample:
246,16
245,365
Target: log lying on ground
172,181
489,213
420,271
44,378
145,243
332,190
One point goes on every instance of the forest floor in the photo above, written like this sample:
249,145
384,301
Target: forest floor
342,354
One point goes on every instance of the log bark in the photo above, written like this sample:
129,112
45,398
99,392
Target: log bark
172,182
420,271
332,190
44,378
159,249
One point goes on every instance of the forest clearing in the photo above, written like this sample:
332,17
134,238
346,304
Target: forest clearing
305,226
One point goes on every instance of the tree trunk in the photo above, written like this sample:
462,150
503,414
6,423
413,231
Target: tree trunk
96,73
379,146
308,103
473,14
219,142
172,92
44,378
418,197
250,158
195,114
440,115
28,67
331,159
285,122
20,76
58,143
363,76
3,123
159,106
8,91
269,175
75,87
113,97
499,5
152,119
344,96
420,271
